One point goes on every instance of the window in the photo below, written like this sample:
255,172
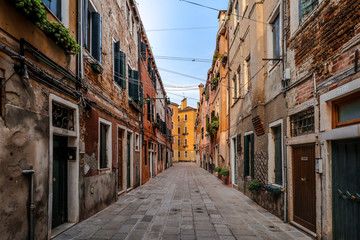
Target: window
306,7
137,142
186,142
237,13
346,111
185,154
178,118
185,118
185,130
178,154
104,144
235,87
276,37
302,122
276,131
247,76
143,51
178,130
133,83
178,141
54,6
92,31
202,133
249,155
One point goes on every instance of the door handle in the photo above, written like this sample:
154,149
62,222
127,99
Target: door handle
54,179
303,179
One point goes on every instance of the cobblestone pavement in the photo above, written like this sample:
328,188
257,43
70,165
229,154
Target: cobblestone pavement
184,202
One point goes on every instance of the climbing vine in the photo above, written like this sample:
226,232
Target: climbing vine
36,12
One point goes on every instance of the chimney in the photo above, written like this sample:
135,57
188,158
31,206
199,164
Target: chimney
183,104
201,89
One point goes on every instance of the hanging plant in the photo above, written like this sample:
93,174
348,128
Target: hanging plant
62,37
212,127
36,12
33,9
254,185
214,82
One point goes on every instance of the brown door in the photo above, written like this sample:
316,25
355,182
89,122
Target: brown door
304,185
120,160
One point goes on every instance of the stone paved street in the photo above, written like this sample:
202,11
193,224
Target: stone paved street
184,202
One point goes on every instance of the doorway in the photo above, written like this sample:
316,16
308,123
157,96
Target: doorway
120,159
128,164
304,185
346,188
59,209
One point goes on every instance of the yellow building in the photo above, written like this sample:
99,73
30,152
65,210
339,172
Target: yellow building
183,131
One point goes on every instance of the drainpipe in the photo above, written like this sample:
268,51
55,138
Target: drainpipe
284,60
31,172
285,179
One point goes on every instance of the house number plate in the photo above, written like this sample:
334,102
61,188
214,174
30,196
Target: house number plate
304,158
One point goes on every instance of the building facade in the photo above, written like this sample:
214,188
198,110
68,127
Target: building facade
183,132
72,123
293,83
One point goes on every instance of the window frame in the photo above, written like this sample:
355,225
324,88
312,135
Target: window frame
335,110
185,154
108,144
185,118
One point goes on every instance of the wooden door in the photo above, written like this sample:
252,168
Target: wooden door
120,160
59,208
304,185
346,188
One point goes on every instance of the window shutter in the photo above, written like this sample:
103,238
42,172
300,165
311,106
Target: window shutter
252,155
96,36
148,106
136,85
86,23
246,155
117,63
123,69
238,144
143,51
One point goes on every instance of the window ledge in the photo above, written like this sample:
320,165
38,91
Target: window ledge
104,170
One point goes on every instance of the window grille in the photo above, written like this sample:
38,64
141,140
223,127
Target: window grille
302,122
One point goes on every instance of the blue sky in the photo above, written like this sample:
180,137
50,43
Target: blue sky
199,43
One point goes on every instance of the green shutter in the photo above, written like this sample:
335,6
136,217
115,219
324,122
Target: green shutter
117,63
252,152
96,36
123,69
246,156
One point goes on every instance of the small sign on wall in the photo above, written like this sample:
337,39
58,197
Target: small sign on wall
304,158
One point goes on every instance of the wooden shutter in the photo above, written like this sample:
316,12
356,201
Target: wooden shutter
246,156
123,69
117,63
85,22
148,106
96,36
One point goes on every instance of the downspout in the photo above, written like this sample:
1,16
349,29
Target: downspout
31,172
140,94
284,60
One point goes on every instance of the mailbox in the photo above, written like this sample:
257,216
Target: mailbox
71,153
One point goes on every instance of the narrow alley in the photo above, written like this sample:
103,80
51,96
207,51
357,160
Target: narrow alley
184,202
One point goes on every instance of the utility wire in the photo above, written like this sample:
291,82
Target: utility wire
179,29
216,9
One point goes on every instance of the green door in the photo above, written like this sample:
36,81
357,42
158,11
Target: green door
346,189
59,209
128,160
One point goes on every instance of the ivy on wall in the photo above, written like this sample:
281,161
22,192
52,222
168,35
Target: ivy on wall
36,12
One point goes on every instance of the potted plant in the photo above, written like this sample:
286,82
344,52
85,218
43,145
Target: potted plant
218,170
254,186
225,175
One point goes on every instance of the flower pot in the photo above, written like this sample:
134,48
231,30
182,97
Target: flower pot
225,179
